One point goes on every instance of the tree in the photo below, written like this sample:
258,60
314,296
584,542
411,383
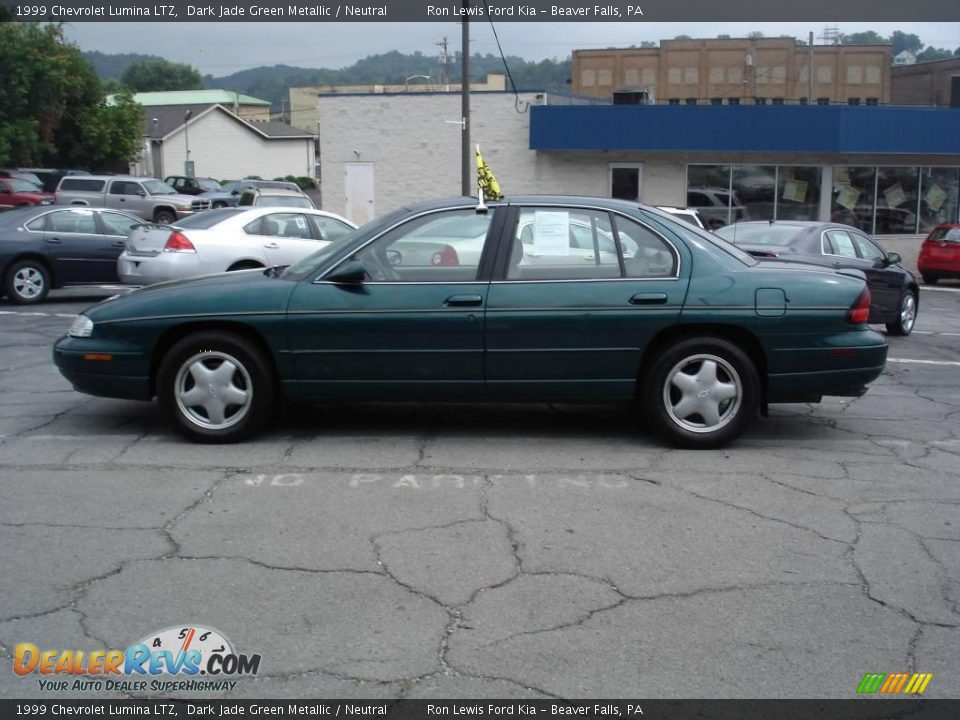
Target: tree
864,38
52,108
755,35
905,41
932,53
160,75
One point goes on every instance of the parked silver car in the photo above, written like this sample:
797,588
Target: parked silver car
148,198
226,239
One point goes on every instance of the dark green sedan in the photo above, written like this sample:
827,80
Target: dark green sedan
565,299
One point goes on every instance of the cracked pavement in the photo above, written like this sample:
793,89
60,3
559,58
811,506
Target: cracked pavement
413,551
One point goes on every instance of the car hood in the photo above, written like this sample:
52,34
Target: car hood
214,195
229,294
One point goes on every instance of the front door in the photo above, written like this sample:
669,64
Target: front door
563,322
77,249
412,329
359,191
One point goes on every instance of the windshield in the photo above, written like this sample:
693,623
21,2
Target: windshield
155,187
313,262
283,201
695,234
760,234
22,186
208,185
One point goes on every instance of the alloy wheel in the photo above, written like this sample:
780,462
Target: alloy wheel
702,393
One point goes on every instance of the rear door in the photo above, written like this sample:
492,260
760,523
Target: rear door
411,330
558,328
286,237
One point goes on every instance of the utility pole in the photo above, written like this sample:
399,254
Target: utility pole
466,187
444,62
810,100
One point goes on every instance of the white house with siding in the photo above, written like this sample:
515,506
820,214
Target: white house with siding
221,144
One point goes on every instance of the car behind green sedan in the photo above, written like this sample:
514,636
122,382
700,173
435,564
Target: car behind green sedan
701,334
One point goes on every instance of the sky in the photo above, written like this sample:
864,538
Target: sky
220,49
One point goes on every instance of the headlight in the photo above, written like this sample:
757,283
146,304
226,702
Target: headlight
82,327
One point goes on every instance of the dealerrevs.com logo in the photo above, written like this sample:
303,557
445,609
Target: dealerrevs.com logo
183,653
895,683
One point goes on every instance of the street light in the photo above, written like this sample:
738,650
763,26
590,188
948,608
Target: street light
187,165
406,81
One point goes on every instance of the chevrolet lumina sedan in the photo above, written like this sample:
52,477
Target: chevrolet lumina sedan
702,335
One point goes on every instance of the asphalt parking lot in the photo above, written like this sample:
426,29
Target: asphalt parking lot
471,551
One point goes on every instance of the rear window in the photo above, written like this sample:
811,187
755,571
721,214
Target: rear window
81,184
763,234
207,219
946,234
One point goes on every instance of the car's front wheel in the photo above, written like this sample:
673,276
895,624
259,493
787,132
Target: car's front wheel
701,392
903,323
930,279
216,386
27,282
164,217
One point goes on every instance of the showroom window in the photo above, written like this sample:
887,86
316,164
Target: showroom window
724,193
939,191
897,196
852,198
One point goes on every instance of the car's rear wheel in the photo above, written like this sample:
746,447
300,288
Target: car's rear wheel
216,386
165,217
930,279
27,282
701,392
903,323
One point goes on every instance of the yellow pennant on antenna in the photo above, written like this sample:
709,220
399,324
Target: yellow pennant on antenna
486,181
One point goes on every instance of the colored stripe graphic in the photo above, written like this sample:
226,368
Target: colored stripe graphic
895,683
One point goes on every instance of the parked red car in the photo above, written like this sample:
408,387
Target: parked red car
20,193
940,253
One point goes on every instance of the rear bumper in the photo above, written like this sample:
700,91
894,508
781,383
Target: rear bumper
150,269
843,366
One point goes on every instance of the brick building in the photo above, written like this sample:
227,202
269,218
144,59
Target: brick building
739,71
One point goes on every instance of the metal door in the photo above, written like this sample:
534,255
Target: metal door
359,191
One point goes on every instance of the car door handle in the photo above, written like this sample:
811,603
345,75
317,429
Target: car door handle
463,301
119,243
649,299
53,241
271,246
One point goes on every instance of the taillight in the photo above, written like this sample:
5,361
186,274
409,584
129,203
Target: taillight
859,312
447,256
178,242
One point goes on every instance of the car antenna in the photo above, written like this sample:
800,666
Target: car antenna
481,208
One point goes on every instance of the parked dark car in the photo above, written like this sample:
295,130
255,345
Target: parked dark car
696,329
16,193
229,194
940,254
50,247
50,177
893,290
192,185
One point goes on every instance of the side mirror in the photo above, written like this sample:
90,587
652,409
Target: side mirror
351,272
894,258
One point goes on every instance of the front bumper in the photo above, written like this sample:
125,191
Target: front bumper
82,361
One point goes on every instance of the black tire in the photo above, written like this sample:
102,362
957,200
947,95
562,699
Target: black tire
165,217
930,279
26,282
252,377
734,372
906,316
219,204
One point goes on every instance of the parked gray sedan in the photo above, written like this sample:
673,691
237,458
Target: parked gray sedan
893,290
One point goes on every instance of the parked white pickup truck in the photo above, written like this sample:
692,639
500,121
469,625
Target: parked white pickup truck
148,198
